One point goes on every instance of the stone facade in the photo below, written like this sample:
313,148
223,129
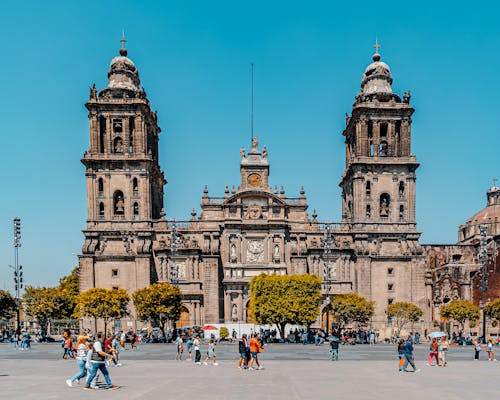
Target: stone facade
256,228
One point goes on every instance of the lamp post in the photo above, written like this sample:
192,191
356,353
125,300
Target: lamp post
18,270
483,272
327,273
174,268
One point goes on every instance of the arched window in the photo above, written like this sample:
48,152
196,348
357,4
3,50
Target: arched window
136,210
131,125
401,212
118,145
401,189
102,133
118,203
101,210
385,202
368,211
135,186
100,185
368,188
383,148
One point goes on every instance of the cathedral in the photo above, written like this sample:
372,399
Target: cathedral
255,228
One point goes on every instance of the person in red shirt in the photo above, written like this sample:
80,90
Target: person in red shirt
255,349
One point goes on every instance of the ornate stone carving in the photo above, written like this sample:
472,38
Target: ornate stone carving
255,251
254,211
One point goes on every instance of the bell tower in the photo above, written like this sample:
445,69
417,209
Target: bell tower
124,180
378,184
124,183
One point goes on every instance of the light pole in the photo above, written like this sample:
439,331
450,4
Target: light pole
483,272
327,273
18,270
174,268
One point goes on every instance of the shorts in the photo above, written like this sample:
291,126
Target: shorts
243,355
253,354
211,354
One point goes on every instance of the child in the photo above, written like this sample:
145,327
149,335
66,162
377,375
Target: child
211,353
334,350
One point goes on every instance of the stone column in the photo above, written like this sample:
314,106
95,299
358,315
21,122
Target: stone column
405,138
94,133
391,148
126,136
376,137
108,137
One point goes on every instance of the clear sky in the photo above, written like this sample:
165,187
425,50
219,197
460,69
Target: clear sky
194,62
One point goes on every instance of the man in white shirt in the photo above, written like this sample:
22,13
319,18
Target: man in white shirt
196,346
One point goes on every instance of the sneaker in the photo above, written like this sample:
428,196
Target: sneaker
239,367
118,365
216,364
260,368
205,363
198,363
88,388
417,370
69,383
113,387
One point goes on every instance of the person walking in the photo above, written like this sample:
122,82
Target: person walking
477,349
433,352
98,364
189,345
409,359
334,350
211,353
401,354
490,349
15,340
180,347
255,349
242,350
197,353
443,351
81,359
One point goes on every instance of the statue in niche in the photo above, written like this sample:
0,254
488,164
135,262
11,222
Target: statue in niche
234,312
384,208
406,97
276,254
232,253
264,152
93,92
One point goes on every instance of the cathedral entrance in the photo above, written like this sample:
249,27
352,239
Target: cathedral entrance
184,319
323,319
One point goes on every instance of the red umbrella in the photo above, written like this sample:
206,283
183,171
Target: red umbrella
209,328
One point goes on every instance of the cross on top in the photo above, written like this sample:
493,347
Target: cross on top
495,182
123,39
377,46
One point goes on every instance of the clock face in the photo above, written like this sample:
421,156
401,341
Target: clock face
254,180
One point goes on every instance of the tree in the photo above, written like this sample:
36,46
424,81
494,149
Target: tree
348,308
282,300
402,313
8,305
158,304
69,289
44,304
492,310
102,304
460,311
223,332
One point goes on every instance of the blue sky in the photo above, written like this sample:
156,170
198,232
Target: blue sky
194,61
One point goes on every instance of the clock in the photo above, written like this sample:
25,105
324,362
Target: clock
254,179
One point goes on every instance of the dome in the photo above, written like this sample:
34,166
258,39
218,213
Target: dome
492,209
123,73
377,77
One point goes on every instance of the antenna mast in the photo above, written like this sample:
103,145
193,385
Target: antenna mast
251,114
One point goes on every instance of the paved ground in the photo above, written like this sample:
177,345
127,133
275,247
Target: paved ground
291,372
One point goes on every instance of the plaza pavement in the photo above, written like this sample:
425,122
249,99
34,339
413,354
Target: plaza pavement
291,372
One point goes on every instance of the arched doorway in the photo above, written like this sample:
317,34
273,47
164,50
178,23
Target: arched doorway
249,316
184,319
323,319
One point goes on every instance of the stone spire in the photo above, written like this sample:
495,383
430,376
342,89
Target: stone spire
122,72
377,76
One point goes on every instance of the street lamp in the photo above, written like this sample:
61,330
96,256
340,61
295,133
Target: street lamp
483,272
18,270
327,273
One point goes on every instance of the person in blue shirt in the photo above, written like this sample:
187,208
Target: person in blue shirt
409,356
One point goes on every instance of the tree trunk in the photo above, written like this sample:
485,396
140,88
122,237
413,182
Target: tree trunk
105,328
281,328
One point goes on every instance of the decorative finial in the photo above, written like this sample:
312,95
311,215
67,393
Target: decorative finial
193,213
302,191
314,215
205,190
376,56
123,50
495,182
226,191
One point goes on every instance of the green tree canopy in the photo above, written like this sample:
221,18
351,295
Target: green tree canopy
102,304
44,304
460,311
69,289
158,304
349,308
402,313
492,310
282,300
8,305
